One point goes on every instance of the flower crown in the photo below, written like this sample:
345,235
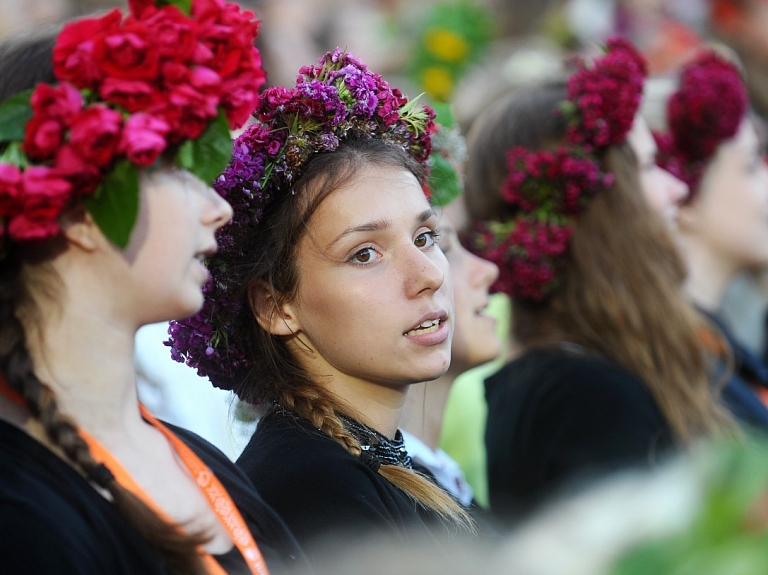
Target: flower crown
449,149
170,77
546,189
706,109
336,100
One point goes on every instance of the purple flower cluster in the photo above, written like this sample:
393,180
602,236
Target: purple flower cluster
546,189
337,99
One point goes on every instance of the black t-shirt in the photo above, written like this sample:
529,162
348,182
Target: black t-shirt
557,419
325,494
53,521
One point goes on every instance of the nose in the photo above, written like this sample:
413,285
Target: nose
677,189
423,273
218,211
483,272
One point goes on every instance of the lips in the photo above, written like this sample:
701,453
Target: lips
428,324
202,255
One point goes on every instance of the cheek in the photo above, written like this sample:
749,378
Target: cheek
653,188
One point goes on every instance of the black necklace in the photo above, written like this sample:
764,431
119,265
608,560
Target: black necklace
378,449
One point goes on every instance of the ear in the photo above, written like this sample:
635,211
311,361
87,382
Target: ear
80,230
272,310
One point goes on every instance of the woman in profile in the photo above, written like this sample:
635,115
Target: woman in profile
106,214
609,371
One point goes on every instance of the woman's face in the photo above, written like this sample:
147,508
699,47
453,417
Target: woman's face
662,190
729,214
178,215
375,300
475,339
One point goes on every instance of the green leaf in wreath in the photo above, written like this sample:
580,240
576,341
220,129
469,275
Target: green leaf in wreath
15,112
115,204
443,181
184,5
14,155
208,156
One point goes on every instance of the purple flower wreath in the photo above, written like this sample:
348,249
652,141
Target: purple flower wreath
337,99
546,189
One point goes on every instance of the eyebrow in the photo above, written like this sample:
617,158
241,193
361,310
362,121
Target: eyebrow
378,225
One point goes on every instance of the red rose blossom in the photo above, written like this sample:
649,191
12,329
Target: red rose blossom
73,59
44,195
43,136
133,95
143,139
10,189
174,34
84,176
127,53
56,102
95,133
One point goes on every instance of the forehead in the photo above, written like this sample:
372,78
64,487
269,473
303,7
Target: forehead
374,193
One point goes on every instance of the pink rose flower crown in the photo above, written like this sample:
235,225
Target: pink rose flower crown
547,189
169,78
337,99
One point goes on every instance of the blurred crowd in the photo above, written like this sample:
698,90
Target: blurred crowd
468,53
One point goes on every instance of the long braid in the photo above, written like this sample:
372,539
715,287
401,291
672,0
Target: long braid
177,550
316,406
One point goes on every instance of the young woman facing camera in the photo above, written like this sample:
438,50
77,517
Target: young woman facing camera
329,298
106,218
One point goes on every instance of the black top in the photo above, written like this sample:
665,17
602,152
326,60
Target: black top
54,522
559,417
322,491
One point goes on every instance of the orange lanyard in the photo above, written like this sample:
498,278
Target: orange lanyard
220,501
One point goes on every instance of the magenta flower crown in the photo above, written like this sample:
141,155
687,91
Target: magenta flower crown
170,77
336,100
705,110
547,189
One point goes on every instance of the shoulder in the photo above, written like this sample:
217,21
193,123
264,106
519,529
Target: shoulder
550,377
584,409
275,540
318,487
286,452
47,505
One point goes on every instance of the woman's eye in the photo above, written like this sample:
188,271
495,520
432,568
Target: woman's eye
364,256
427,239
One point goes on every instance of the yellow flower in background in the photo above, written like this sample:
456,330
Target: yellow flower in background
446,44
437,82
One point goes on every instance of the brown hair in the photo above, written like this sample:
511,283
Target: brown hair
23,63
281,379
621,294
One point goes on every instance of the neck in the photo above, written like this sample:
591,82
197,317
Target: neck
84,351
377,406
708,274
425,408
